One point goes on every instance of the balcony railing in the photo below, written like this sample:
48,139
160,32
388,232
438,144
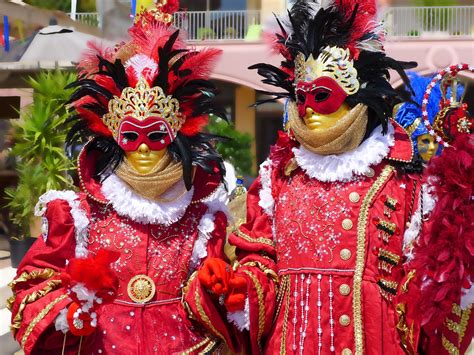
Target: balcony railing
439,22
435,22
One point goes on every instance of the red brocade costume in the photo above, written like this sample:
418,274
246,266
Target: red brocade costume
336,287
164,251
108,273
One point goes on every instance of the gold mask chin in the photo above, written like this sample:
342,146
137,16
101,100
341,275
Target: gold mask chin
319,122
144,160
427,146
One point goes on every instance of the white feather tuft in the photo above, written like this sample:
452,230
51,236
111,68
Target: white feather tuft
139,209
345,166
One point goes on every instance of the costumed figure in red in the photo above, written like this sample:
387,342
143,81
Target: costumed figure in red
323,248
106,276
442,259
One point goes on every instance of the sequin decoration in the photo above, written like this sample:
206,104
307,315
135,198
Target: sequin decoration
309,216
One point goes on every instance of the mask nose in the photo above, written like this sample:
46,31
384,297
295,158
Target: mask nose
143,148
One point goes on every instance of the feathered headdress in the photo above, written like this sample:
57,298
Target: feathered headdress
154,73
339,39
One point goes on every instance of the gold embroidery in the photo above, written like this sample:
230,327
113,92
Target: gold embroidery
261,307
32,297
410,276
39,317
204,316
360,257
253,240
26,276
450,347
406,333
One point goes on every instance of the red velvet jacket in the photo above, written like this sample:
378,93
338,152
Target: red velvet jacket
161,242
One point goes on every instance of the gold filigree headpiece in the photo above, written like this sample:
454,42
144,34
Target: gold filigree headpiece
140,103
333,62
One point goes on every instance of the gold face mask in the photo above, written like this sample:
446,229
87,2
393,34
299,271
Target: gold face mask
319,122
427,146
144,160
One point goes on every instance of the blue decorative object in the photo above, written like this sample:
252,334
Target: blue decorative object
6,33
409,112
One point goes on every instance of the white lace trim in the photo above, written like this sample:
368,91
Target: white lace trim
241,319
216,202
81,222
266,201
60,324
413,231
345,166
141,210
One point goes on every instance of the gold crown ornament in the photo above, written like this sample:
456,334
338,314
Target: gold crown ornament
140,103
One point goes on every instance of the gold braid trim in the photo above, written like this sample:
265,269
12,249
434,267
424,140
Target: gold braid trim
285,283
39,317
208,348
261,307
195,347
204,316
267,271
450,347
285,317
32,297
360,257
248,238
26,276
457,310
459,328
463,324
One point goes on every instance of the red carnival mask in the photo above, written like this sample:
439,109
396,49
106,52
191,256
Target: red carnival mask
324,83
155,132
323,95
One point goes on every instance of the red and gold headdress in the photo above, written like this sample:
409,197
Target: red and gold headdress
152,88
333,55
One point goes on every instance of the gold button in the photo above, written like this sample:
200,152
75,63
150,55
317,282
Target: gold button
346,351
347,224
344,289
370,172
345,254
354,197
344,320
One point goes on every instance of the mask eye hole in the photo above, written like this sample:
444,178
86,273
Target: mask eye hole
322,94
426,141
131,136
156,136
300,97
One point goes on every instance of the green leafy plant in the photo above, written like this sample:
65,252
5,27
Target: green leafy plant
39,137
237,150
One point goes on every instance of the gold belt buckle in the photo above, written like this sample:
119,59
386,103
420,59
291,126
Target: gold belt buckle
141,288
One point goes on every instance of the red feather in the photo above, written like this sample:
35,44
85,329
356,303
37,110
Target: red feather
194,125
444,257
94,121
365,20
89,62
94,271
147,39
